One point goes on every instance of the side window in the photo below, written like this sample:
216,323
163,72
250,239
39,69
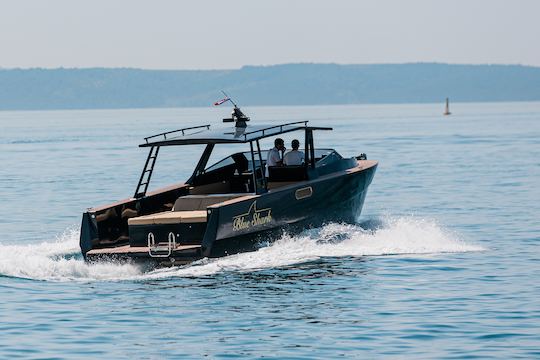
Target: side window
222,163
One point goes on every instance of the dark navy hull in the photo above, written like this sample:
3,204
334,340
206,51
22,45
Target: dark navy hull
333,199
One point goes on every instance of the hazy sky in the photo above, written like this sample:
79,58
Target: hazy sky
199,34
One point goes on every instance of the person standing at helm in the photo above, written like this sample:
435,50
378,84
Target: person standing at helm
274,156
294,157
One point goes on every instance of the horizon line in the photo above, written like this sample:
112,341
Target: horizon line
272,106
268,66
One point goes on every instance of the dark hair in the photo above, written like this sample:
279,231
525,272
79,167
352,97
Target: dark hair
295,144
278,141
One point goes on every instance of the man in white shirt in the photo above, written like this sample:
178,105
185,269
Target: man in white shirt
294,157
274,156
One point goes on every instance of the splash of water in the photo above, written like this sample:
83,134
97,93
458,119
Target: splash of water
59,260
387,236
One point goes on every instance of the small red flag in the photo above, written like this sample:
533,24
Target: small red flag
221,101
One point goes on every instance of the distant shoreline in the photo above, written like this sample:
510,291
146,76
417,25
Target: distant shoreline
210,107
278,85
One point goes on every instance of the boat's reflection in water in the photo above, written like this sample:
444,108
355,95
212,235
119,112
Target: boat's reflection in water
309,275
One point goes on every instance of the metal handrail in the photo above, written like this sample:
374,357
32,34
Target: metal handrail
274,127
157,250
164,134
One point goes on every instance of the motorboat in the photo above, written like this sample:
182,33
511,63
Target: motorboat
230,206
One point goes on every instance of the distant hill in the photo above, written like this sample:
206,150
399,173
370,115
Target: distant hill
289,84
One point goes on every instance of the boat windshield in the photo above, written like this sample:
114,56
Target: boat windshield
229,160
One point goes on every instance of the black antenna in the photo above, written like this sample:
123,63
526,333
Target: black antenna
230,99
237,116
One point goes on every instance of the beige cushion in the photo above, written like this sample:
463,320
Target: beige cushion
170,217
201,202
186,203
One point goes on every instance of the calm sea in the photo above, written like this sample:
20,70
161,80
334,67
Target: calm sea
443,263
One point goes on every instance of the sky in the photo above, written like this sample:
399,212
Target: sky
228,34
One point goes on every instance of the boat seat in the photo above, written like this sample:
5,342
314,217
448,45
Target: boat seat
201,202
220,187
287,173
170,217
278,184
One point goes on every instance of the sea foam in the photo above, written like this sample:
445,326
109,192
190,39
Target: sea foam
60,260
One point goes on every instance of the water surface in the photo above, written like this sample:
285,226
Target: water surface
443,262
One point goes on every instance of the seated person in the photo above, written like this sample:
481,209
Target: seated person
274,155
294,157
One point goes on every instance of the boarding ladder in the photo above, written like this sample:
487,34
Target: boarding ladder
161,249
144,180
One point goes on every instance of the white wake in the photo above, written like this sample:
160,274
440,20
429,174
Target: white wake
60,260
